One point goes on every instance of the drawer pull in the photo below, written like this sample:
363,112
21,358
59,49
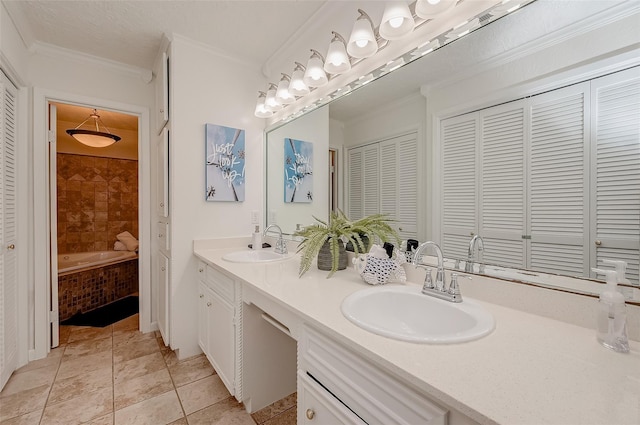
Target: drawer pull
310,414
209,304
201,295
200,270
598,243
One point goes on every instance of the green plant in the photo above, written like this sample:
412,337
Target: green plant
338,230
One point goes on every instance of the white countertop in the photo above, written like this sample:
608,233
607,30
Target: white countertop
529,370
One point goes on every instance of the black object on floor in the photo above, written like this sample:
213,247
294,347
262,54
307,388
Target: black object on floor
105,315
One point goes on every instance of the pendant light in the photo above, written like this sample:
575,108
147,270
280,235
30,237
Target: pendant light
93,138
261,110
397,20
337,58
315,76
297,86
428,9
362,42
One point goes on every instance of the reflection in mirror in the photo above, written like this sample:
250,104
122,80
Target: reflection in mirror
288,172
518,56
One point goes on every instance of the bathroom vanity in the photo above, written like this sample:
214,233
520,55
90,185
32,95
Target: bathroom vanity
275,333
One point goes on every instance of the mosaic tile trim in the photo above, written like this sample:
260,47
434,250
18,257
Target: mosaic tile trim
93,288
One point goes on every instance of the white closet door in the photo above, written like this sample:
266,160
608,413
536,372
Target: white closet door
459,197
502,187
8,260
355,165
616,161
399,183
370,180
558,182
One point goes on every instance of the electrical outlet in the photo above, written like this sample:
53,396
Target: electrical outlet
255,217
273,217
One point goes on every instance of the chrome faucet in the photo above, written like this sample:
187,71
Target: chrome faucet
438,290
475,240
281,245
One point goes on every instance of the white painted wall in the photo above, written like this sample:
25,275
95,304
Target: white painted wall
206,88
313,128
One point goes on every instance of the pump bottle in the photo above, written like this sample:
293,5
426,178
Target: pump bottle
612,318
256,239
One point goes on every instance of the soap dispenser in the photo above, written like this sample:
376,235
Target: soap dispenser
612,317
621,269
256,239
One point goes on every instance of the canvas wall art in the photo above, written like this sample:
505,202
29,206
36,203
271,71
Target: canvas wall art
225,157
298,171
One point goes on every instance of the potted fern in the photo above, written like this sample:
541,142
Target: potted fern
325,240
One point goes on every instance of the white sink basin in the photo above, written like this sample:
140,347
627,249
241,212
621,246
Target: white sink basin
404,313
258,256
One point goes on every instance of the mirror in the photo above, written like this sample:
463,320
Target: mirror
412,97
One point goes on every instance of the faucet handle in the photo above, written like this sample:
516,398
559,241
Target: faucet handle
454,288
281,246
428,283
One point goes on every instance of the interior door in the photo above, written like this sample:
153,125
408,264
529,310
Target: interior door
53,220
8,255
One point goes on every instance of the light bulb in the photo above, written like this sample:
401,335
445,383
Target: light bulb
396,22
362,43
433,1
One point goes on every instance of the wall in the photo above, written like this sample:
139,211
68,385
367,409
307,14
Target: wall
97,200
206,88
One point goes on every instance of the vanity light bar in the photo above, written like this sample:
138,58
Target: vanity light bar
460,30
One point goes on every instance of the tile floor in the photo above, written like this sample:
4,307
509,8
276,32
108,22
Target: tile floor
117,375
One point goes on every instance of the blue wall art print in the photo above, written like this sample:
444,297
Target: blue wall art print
298,171
225,163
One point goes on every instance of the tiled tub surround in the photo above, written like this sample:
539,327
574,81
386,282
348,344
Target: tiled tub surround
531,370
87,289
97,199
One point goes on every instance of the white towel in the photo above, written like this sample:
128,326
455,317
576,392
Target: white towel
128,240
119,246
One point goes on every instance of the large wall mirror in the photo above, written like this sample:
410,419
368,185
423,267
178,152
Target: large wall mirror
545,46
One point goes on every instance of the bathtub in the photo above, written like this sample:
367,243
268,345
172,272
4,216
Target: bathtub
87,260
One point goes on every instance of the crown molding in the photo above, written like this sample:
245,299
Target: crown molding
50,50
20,22
214,51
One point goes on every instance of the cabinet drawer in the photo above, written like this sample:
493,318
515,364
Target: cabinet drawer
316,406
367,390
221,284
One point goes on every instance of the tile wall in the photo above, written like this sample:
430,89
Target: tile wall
97,199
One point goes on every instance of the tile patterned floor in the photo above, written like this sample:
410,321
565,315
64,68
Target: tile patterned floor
119,376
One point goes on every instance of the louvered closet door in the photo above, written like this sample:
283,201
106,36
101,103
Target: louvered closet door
616,161
558,182
459,197
8,260
399,183
371,180
502,184
355,165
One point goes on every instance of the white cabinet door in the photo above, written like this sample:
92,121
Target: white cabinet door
221,339
162,273
203,322
162,167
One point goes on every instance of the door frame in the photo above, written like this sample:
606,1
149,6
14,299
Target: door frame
41,202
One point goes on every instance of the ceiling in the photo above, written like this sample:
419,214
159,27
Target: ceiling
130,32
